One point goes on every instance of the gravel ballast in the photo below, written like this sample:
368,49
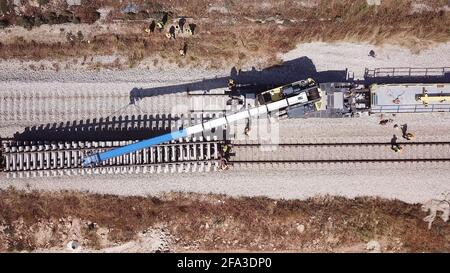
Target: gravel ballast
409,184
355,56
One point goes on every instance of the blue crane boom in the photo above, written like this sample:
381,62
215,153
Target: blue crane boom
300,97
99,157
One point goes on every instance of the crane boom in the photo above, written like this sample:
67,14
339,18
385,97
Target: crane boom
303,97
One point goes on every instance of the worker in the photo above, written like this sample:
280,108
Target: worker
181,23
409,136
225,154
394,145
226,149
191,29
372,53
223,164
160,26
151,27
165,18
231,84
183,50
405,134
385,121
171,33
247,131
247,128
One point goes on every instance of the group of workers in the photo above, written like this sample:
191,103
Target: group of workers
232,86
171,34
395,146
405,134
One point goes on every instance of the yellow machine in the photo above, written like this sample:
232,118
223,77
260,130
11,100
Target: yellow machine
318,104
433,99
285,91
275,94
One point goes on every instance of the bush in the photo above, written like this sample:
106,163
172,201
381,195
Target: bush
4,6
3,24
80,35
87,14
25,22
39,20
43,2
67,15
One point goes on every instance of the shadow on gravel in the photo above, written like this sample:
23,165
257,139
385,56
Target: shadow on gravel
252,81
256,81
119,128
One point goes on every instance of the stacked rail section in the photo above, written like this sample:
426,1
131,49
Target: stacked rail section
31,159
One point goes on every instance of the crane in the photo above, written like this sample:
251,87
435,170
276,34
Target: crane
292,95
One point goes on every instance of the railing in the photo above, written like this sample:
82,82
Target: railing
410,108
406,72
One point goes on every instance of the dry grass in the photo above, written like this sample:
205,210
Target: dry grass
213,222
248,31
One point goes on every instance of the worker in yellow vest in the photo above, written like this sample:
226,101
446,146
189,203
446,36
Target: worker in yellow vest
406,135
160,26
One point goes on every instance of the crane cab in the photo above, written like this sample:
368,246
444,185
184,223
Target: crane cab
309,86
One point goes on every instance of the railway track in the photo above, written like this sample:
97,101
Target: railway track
64,158
245,155
34,159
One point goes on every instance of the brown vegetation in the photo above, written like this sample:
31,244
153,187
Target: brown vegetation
213,222
242,32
